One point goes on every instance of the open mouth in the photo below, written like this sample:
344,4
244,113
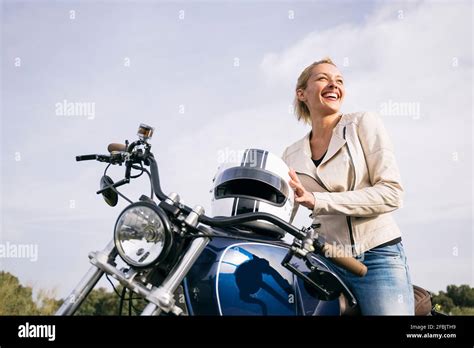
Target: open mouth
332,96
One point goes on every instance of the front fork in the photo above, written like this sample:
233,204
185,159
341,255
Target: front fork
80,292
160,298
164,293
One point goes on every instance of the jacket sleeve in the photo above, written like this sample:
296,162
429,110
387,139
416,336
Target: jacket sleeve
295,205
386,192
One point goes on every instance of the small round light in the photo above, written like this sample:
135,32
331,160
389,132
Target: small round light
142,234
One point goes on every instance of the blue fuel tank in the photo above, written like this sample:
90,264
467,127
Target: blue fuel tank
238,277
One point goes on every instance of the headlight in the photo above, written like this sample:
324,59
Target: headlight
142,234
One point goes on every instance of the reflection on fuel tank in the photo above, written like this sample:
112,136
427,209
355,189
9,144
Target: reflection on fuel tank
249,279
255,285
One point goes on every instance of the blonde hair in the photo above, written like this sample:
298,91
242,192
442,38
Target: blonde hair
300,107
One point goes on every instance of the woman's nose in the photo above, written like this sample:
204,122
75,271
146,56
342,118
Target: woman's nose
333,83
334,86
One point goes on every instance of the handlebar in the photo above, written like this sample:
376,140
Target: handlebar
329,251
241,218
86,157
347,262
100,158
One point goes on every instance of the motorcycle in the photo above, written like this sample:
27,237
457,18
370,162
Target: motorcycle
182,262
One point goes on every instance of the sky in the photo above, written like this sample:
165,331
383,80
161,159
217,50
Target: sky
216,77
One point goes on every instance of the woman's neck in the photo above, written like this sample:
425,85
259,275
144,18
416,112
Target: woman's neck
322,126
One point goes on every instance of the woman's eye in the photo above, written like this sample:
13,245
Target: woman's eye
322,78
340,82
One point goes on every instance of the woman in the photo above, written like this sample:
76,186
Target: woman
345,172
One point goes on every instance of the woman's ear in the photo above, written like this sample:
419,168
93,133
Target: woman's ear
300,94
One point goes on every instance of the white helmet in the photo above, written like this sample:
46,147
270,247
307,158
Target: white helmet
253,181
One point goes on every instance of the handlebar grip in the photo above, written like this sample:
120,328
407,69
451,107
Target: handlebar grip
116,147
348,263
86,158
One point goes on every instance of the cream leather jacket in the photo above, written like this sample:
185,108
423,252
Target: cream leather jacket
356,185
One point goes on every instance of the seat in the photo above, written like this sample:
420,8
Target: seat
423,303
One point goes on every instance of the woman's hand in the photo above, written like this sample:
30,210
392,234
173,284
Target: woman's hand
302,196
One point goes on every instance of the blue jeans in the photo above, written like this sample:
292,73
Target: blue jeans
386,289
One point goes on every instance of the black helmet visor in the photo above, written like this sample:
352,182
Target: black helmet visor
254,183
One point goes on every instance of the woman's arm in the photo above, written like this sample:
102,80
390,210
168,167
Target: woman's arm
296,204
386,192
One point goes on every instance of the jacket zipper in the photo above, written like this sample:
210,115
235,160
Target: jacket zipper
348,218
320,182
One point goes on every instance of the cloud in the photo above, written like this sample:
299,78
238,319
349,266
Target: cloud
423,36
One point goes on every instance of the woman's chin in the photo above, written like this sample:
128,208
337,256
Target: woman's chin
330,109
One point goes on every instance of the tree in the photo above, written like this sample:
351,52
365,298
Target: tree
457,300
445,302
47,302
15,299
463,296
99,302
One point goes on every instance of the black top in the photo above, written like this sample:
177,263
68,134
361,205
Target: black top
318,161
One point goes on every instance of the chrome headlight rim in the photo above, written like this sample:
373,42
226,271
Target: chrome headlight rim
168,240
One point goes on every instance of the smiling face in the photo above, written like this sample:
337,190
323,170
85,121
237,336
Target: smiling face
324,90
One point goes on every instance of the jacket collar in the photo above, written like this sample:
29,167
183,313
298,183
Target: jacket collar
304,164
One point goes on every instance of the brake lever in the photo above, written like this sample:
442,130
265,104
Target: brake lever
313,267
116,158
323,293
104,158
